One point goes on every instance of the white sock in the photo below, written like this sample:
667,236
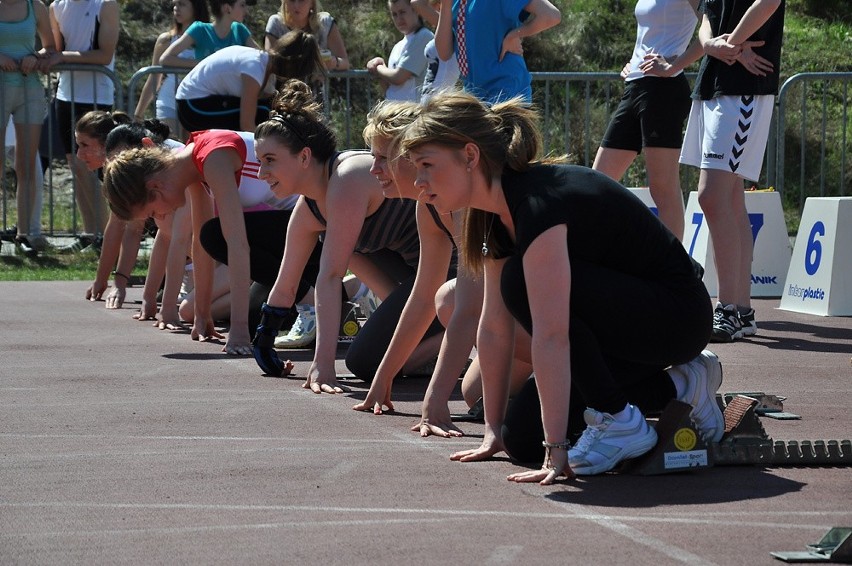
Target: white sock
624,415
679,382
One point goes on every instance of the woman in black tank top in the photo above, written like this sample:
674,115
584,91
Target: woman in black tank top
362,230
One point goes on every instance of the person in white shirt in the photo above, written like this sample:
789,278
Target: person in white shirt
401,76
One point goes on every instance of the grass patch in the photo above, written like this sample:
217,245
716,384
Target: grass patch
55,267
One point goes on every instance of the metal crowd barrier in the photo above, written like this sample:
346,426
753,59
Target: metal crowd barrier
575,110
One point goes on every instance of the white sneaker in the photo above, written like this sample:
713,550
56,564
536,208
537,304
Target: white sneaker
606,442
304,330
703,378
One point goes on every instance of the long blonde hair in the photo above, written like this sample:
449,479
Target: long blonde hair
507,135
313,17
125,176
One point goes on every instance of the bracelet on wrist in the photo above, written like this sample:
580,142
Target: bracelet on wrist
566,444
119,274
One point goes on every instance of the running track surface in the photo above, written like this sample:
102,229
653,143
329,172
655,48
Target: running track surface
120,443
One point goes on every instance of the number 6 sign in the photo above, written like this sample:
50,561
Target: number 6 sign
819,280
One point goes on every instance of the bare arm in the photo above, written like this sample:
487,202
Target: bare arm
169,57
495,339
340,58
107,39
753,19
248,103
149,90
444,31
219,169
347,204
418,313
547,273
425,10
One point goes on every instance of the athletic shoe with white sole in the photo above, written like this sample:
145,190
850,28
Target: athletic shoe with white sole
727,326
606,441
749,326
304,330
702,377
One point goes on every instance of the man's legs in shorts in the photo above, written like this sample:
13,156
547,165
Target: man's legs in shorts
721,196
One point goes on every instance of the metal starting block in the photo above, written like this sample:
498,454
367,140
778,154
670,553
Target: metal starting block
745,442
679,445
765,403
835,546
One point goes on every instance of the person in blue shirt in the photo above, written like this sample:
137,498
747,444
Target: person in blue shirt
492,62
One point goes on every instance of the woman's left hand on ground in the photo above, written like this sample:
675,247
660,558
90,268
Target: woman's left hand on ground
491,445
436,420
115,299
550,471
319,383
95,291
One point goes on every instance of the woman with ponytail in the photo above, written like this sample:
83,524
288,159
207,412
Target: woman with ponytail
363,227
609,296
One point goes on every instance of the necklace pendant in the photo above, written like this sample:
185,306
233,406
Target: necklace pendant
484,249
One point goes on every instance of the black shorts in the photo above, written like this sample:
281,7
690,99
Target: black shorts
67,119
652,113
217,113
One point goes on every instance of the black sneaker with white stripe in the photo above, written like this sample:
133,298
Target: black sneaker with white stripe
727,325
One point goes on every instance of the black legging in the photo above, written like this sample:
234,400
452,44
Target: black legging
217,112
372,341
266,232
624,332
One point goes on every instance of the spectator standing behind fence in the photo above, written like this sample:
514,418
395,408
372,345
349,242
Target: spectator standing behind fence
440,74
307,15
726,137
185,13
486,36
655,104
232,89
550,238
85,31
401,76
22,98
207,38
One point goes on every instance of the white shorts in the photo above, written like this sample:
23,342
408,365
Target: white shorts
728,133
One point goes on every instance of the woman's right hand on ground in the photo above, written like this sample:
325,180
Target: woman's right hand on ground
168,319
204,330
116,297
96,291
148,310
436,420
378,397
491,445
555,465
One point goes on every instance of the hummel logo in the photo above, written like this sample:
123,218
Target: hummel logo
711,155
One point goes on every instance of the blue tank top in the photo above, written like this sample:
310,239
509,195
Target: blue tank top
17,39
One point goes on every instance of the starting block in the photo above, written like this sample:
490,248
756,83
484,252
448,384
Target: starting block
745,442
679,445
835,546
771,258
819,280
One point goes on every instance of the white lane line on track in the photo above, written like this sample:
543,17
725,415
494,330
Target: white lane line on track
298,524
572,512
